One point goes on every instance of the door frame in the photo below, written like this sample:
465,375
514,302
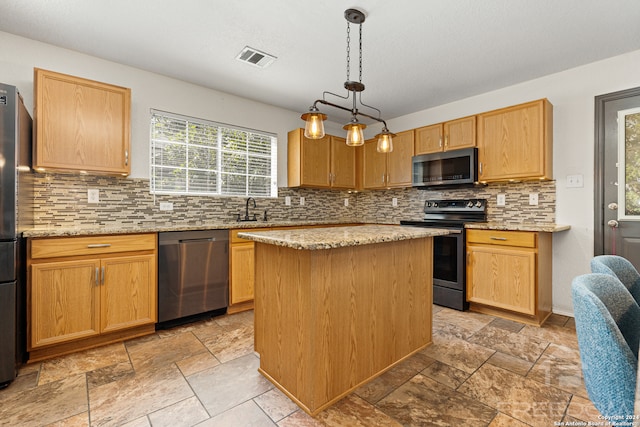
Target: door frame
598,214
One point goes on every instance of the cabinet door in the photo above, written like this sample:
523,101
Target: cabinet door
343,164
460,133
515,142
64,302
429,139
399,167
374,165
81,124
242,272
128,292
502,277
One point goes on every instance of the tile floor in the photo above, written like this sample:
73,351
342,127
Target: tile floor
480,371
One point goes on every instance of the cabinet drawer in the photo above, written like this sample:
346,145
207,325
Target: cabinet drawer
504,238
94,245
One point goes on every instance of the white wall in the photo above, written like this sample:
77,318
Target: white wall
18,57
572,94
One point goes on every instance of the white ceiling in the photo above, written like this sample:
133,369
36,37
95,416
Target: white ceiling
417,53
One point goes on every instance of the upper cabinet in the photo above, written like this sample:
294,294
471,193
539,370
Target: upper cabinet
321,163
387,170
81,125
451,135
516,143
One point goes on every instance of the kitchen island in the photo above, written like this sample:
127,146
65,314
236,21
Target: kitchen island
336,307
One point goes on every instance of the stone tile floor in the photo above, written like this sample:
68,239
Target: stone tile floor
480,371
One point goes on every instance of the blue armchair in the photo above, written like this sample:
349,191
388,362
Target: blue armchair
621,268
608,327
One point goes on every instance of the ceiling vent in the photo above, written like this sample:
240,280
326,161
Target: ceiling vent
255,57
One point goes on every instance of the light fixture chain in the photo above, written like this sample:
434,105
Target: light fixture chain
360,53
348,50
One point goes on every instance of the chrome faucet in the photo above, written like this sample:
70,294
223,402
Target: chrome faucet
246,211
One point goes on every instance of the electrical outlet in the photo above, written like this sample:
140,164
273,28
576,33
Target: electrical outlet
501,200
302,201
575,181
533,199
166,206
394,202
287,200
93,195
346,202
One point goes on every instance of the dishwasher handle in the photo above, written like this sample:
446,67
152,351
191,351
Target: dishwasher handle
206,239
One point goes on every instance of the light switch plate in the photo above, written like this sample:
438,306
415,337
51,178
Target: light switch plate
302,201
93,195
501,200
166,206
287,200
346,202
394,201
533,199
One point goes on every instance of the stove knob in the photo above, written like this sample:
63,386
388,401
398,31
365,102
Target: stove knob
478,204
428,204
435,204
470,204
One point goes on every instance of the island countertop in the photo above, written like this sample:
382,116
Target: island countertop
337,237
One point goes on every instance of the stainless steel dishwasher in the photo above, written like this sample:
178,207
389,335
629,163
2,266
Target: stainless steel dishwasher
193,273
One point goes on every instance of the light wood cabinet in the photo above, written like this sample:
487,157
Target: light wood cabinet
451,135
241,271
81,125
88,291
516,143
387,170
509,274
320,163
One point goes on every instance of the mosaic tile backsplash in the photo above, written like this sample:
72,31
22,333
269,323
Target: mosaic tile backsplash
60,200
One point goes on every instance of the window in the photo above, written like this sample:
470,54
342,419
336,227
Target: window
629,164
196,156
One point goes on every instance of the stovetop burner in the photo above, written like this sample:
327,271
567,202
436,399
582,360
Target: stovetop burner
451,213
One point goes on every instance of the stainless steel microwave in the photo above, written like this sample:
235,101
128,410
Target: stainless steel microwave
456,168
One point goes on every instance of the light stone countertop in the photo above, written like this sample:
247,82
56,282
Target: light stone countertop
152,227
532,226
336,237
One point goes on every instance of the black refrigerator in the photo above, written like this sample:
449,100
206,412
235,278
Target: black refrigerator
16,214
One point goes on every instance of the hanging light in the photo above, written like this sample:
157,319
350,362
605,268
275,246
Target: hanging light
385,141
355,136
314,127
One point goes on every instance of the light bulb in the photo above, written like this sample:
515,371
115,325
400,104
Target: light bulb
314,127
355,136
385,143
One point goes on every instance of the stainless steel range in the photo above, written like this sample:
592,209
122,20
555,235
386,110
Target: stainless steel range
449,272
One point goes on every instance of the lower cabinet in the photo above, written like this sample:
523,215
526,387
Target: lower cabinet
509,274
88,291
241,271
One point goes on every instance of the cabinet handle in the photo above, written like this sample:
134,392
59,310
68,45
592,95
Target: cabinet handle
502,239
99,245
440,141
480,167
446,141
97,278
102,276
126,158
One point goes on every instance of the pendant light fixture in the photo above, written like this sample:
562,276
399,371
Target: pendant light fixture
314,127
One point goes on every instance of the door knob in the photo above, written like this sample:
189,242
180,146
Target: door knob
613,223
613,206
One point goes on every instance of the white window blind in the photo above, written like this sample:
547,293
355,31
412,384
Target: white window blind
197,156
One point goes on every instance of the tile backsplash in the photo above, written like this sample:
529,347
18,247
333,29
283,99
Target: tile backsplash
60,200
